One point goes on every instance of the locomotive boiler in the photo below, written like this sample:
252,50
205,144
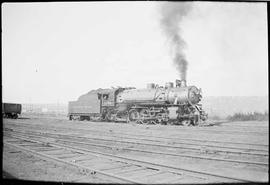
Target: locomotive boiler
152,105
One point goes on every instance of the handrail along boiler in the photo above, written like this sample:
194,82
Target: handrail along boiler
154,104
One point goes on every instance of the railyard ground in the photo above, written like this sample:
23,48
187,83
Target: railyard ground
24,166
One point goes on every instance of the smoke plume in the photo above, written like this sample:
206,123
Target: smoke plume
172,14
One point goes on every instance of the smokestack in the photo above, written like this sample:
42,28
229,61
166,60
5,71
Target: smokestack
172,13
183,83
180,83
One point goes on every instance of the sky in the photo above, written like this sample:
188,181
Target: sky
55,52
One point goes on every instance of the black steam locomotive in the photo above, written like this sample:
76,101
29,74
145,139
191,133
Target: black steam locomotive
153,105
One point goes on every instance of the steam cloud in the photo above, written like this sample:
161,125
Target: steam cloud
172,14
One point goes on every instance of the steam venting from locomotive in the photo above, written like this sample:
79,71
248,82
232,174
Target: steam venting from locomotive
172,13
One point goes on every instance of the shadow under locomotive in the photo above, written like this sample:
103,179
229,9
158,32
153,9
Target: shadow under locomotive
153,105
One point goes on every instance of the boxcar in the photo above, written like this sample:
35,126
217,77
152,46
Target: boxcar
11,110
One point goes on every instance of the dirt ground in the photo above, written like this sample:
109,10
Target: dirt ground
20,165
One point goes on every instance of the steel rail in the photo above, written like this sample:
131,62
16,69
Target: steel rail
180,147
174,137
128,159
224,131
199,128
212,130
134,161
176,142
93,154
240,143
186,142
170,146
151,144
155,152
227,142
73,164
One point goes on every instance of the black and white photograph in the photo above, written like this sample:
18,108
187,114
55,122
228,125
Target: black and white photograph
135,92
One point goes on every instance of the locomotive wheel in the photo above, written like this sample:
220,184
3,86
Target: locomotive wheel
186,122
145,122
109,117
196,120
144,113
133,115
153,122
163,122
9,115
142,122
81,118
139,122
152,114
15,116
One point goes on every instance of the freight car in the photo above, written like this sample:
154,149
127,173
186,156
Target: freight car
152,105
11,110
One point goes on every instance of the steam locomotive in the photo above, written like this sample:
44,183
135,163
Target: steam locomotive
152,105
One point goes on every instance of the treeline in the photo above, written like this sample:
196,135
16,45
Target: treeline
255,116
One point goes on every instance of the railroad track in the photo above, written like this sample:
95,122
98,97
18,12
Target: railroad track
172,144
196,146
189,146
180,140
78,140
123,169
200,129
168,145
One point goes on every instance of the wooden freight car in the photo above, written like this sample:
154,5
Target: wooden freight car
11,110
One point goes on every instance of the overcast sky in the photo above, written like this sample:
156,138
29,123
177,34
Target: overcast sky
55,52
